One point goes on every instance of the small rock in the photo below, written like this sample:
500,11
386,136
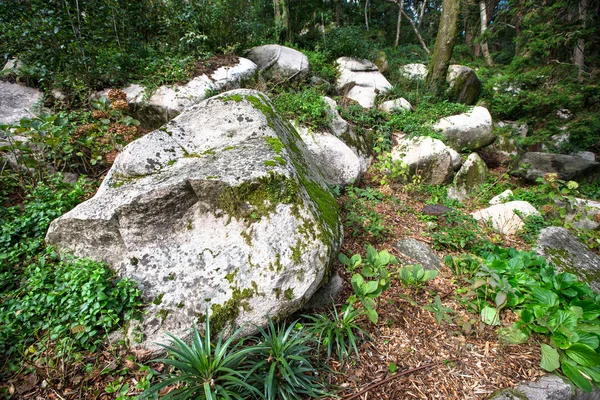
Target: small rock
548,387
586,155
502,197
570,255
400,104
17,101
360,80
469,178
535,165
418,252
471,130
564,113
464,85
414,71
503,218
435,210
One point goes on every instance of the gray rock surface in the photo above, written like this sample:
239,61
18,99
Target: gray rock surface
427,157
360,80
570,255
338,163
168,101
400,104
471,130
535,165
548,387
326,294
469,178
201,218
16,102
503,218
414,251
414,71
279,63
463,84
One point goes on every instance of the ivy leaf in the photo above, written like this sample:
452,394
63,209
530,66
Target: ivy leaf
550,358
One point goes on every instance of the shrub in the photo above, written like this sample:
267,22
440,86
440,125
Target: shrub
306,106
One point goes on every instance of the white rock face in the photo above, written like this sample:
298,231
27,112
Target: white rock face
360,80
16,102
430,158
501,198
503,218
220,210
338,163
400,104
168,101
414,71
279,63
471,130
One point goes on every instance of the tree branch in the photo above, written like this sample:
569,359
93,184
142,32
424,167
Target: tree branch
416,32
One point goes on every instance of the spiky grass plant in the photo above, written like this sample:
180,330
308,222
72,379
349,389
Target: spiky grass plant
282,366
206,370
337,332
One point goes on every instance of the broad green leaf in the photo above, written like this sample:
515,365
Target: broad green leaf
372,315
489,315
513,335
561,341
589,339
371,287
344,259
583,355
545,296
384,257
575,376
500,299
550,358
592,372
589,328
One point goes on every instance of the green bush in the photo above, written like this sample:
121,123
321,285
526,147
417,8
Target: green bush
306,106
46,301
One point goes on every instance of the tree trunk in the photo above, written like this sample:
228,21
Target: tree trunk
420,21
444,44
519,27
400,5
578,52
484,24
367,14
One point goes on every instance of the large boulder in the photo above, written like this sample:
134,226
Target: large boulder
219,211
414,71
279,63
428,158
468,131
168,101
503,218
569,255
338,163
400,104
360,80
535,165
469,178
463,84
16,102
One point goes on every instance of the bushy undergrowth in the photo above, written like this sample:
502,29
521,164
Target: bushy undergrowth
47,302
305,106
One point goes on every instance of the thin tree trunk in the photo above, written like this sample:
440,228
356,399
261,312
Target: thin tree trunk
578,52
420,20
400,5
417,33
367,14
484,23
519,27
444,44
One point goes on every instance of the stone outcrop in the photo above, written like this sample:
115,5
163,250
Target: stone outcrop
220,210
534,165
279,63
16,102
360,80
468,131
503,218
569,255
463,84
414,71
469,178
168,101
429,158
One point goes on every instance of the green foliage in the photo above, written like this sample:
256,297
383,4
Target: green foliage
440,312
362,216
371,281
347,41
306,106
207,370
459,231
534,223
554,304
416,275
69,304
281,366
337,332
321,64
